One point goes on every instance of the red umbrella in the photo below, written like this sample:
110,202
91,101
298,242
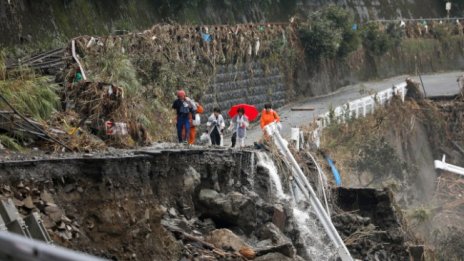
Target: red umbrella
250,111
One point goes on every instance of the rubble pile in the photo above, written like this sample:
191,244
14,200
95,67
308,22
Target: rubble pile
368,220
29,197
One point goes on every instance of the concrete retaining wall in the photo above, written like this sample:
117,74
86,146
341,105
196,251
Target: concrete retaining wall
246,84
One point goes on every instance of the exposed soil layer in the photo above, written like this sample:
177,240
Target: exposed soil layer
183,205
368,221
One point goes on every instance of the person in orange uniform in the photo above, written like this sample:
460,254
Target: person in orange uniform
268,115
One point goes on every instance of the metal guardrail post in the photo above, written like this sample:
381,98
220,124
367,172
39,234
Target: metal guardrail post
302,182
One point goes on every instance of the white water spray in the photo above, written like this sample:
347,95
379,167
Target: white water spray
311,234
265,161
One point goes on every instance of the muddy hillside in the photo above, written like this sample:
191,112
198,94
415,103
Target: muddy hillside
396,148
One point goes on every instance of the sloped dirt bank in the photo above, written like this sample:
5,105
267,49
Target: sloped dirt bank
396,148
182,205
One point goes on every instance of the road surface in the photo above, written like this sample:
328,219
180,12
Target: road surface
435,85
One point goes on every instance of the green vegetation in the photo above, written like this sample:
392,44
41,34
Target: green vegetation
10,143
376,155
31,95
329,33
420,215
378,41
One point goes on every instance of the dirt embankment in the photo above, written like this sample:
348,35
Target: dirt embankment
395,147
182,205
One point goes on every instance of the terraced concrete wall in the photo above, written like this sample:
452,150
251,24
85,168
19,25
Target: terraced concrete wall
246,84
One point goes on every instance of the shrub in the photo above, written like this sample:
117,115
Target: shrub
329,33
376,41
35,96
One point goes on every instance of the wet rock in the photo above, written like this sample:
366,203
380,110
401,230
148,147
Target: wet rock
233,208
272,232
285,249
226,239
172,212
273,257
264,243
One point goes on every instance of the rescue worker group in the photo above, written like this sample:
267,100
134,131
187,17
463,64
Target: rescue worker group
188,120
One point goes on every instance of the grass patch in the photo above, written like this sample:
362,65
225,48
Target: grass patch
33,96
10,143
420,215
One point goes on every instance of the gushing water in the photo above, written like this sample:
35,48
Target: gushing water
265,161
312,236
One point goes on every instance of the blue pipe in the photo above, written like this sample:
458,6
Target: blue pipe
338,180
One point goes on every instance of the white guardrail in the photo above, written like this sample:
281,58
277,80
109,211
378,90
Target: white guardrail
361,107
307,190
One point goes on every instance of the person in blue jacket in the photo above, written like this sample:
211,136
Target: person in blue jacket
184,107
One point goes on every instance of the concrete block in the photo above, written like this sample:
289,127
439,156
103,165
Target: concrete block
36,228
8,211
19,227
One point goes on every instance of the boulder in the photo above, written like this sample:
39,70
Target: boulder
226,239
191,179
280,243
233,208
272,232
54,212
286,249
47,197
273,257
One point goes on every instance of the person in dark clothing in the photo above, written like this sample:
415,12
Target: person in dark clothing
184,107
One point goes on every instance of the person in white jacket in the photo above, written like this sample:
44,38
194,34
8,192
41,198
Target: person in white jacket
216,127
238,126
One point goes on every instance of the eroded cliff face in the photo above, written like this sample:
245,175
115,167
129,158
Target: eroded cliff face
178,204
53,21
396,147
